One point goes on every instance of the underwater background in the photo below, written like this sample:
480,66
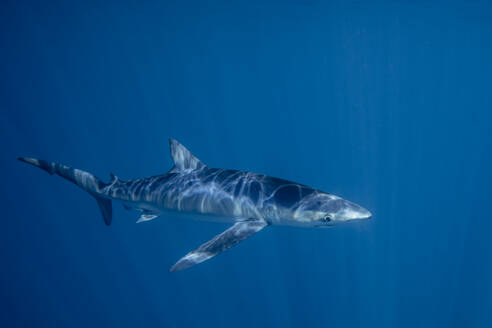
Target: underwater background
387,104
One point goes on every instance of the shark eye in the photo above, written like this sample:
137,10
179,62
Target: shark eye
327,218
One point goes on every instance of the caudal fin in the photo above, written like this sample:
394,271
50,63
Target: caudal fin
47,166
106,209
84,180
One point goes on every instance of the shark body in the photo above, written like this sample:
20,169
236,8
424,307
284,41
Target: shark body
248,200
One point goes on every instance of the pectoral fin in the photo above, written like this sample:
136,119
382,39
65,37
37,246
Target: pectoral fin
232,236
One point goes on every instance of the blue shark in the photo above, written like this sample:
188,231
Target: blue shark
249,201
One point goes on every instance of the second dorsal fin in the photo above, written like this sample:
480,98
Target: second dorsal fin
113,178
183,159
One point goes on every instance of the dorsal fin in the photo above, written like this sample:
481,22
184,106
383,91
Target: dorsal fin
183,159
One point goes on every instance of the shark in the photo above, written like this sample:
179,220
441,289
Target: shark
248,201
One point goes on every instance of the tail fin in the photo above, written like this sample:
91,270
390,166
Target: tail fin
84,180
106,209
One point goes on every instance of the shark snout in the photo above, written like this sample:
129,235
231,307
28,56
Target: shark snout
364,214
355,212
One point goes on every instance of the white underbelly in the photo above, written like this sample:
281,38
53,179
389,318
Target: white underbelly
199,216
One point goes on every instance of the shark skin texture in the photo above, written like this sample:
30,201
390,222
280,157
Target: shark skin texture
191,189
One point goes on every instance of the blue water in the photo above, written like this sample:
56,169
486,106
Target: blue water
388,105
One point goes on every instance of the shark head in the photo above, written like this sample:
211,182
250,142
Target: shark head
340,210
323,210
